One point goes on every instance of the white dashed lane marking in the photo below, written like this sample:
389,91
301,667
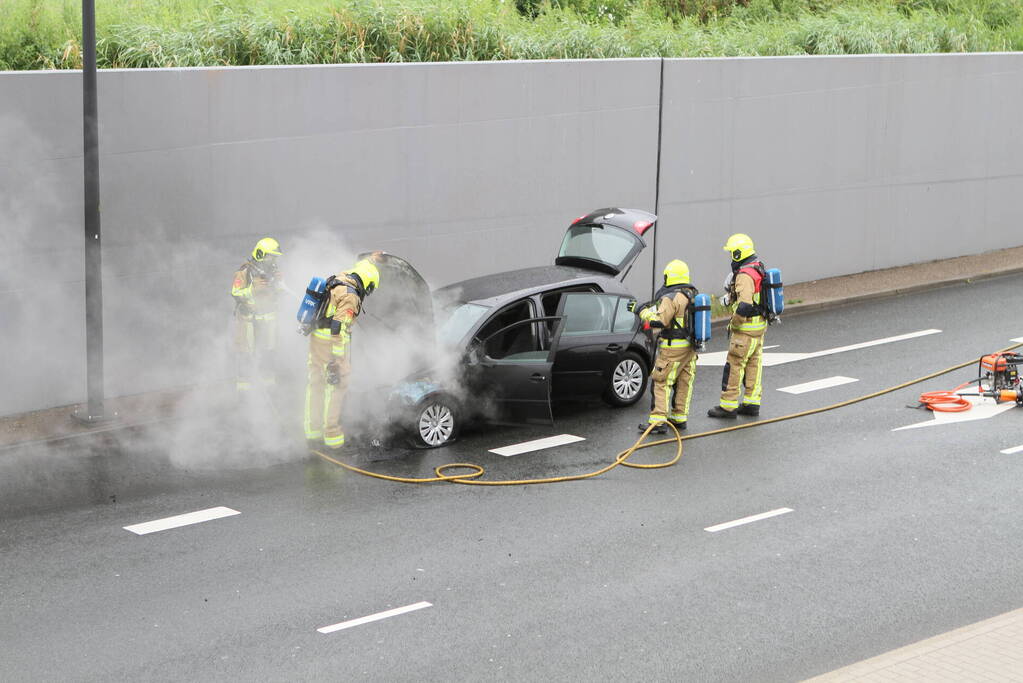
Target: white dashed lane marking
747,520
803,388
181,520
536,445
1010,451
373,617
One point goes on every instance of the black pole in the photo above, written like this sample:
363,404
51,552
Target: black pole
93,255
656,284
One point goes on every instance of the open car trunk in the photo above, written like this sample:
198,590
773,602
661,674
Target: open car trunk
606,240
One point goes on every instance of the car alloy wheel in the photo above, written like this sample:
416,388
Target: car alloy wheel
627,380
436,424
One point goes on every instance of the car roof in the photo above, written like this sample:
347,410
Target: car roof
497,289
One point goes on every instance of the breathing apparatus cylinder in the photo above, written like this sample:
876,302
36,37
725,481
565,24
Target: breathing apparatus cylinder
774,291
310,305
701,319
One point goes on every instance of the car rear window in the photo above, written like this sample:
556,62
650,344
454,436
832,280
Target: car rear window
596,243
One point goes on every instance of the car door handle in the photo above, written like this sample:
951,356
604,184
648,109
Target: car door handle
537,377
614,348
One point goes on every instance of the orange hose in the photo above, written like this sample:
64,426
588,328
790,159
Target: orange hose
945,401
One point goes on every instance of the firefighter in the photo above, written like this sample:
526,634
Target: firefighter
329,362
744,363
675,366
254,289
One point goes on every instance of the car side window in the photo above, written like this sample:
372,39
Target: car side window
516,340
625,320
551,300
589,314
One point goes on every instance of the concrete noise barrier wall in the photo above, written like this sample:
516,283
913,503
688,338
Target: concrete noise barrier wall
464,169
838,165
834,165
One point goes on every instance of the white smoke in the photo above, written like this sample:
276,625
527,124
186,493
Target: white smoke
168,318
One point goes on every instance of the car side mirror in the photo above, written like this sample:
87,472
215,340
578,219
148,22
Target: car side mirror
473,355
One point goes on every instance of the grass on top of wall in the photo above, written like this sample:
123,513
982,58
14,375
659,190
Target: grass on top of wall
46,34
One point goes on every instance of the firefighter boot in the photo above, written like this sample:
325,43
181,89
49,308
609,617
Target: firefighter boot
749,409
680,426
658,428
718,411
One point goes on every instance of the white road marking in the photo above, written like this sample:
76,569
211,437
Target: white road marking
1018,340
983,408
1010,451
826,383
747,520
770,359
373,617
536,445
181,520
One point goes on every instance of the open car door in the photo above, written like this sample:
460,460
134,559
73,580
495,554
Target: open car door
514,368
596,330
395,331
606,240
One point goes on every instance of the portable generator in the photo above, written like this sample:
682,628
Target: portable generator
998,377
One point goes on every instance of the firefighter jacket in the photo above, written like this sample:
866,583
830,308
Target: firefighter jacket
343,308
255,292
670,315
746,306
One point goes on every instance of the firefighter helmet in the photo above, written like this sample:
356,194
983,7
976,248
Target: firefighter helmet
676,273
267,246
368,273
740,246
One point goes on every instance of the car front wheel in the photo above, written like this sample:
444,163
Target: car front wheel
627,381
435,423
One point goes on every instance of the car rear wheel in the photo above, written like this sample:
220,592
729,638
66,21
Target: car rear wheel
435,423
627,381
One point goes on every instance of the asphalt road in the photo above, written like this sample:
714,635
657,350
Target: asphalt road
893,537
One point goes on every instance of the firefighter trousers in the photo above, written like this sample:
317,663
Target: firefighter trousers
672,378
323,401
743,371
255,340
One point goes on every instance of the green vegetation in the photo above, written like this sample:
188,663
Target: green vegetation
46,34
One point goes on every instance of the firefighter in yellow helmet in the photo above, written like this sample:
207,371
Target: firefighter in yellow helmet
254,289
744,364
329,345
671,312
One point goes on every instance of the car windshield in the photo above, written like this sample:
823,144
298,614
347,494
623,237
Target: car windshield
597,243
455,320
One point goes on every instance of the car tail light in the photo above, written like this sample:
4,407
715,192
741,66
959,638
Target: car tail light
641,226
579,219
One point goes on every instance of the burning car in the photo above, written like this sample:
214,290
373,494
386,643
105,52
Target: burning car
504,346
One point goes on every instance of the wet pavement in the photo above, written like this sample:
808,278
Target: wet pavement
893,537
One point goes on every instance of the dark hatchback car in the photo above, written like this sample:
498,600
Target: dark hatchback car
503,346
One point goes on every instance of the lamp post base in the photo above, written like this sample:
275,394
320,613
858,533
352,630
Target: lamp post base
81,414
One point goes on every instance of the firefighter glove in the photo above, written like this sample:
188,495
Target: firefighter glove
631,306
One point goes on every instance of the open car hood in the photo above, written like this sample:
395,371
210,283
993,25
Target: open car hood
394,334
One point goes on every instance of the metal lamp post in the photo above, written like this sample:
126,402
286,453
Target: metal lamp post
94,409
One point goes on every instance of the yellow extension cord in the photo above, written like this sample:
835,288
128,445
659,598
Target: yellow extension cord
476,471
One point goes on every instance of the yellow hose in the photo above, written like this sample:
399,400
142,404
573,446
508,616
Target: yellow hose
476,471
